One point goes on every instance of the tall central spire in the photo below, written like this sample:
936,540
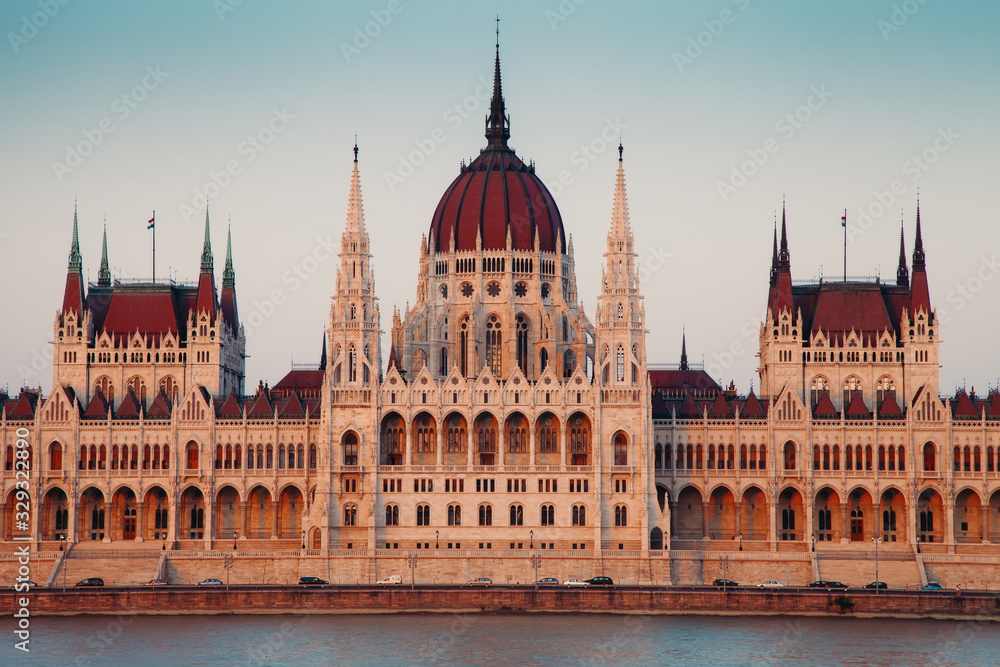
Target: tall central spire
75,258
206,252
497,122
104,276
902,273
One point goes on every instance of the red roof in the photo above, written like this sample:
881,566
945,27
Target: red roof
25,406
160,409
130,408
261,409
308,383
848,306
494,194
73,295
962,407
824,408
889,407
720,409
665,380
857,409
292,409
752,409
689,409
98,408
149,311
994,411
230,409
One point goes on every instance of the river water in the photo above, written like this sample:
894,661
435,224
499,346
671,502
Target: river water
499,639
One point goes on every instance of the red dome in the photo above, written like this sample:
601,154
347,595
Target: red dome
497,192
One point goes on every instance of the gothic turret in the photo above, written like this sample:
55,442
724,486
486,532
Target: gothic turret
780,296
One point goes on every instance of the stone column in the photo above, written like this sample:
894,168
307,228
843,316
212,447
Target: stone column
949,523
531,444
705,506
209,521
984,520
738,522
408,455
440,453
245,510
470,446
140,522
274,515
845,528
809,507
562,446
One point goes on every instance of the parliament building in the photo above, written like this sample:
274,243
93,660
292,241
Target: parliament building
506,420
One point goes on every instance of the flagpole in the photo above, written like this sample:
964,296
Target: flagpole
154,247
845,245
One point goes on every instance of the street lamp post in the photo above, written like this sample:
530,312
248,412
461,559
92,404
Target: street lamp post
724,566
228,564
412,562
876,539
536,560
437,539
234,542
303,539
62,542
531,543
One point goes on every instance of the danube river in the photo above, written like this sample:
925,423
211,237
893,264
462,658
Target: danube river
525,639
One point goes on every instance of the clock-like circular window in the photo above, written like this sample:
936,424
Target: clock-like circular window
493,289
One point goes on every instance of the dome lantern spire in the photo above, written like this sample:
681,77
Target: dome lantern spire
497,122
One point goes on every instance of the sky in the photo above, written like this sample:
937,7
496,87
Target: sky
726,109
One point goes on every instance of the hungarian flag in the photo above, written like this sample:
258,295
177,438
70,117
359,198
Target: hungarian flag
843,221
152,221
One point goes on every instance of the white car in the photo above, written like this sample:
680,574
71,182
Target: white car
575,582
391,580
771,583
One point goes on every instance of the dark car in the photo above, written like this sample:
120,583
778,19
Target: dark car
313,581
876,584
827,584
600,581
725,583
90,581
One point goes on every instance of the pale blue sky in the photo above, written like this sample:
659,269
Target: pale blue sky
887,95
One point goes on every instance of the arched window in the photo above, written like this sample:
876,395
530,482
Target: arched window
886,387
852,388
55,456
486,440
930,458
620,363
351,449
621,450
494,346
517,515
789,455
485,515
463,347
269,456
548,515
423,515
168,386
517,434
579,515
543,359
762,460
569,363
392,515
352,363
522,343
444,361
237,457
229,457
350,515
454,515
192,456
579,440
106,387
621,515
820,386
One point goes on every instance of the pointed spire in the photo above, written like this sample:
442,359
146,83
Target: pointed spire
783,256
207,263
322,356
684,350
774,254
355,209
104,275
902,273
75,258
497,122
918,245
620,229
229,275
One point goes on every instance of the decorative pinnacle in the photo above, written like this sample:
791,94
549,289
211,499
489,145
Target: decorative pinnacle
229,275
207,263
104,275
75,258
355,148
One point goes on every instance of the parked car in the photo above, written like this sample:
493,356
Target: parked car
877,584
547,581
827,584
725,583
600,581
771,583
480,581
209,582
313,581
90,581
154,582
391,580
575,582
932,586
